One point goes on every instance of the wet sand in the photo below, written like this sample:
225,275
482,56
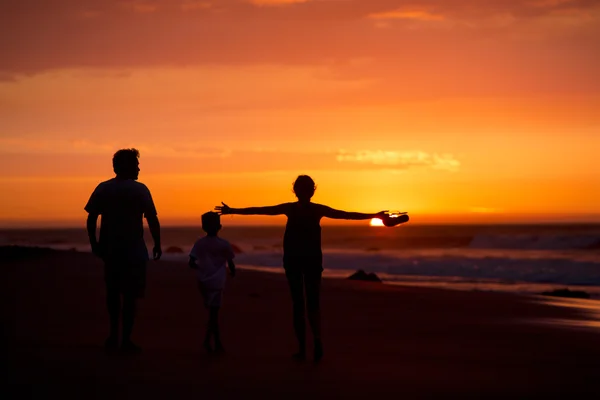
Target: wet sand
380,340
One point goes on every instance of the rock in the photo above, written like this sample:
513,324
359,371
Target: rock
173,250
361,275
574,294
14,253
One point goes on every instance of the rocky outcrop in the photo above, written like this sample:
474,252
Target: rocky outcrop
361,275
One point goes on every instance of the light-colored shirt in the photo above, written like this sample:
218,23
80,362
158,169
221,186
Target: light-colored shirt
211,254
122,204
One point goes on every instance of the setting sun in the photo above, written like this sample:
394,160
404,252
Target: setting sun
376,222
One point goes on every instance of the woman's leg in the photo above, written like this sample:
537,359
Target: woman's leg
296,283
312,282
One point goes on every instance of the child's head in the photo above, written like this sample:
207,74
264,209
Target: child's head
211,223
304,187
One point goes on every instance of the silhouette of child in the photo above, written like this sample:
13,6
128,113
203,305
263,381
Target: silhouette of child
209,257
302,254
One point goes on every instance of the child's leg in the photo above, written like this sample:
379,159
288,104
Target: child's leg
295,281
208,335
214,326
209,329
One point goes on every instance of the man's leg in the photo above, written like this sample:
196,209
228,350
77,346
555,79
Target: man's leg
295,281
113,305
134,285
129,309
312,282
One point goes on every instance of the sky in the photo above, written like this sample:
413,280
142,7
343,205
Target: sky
452,110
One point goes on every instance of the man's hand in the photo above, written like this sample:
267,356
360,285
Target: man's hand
232,267
224,209
156,252
96,250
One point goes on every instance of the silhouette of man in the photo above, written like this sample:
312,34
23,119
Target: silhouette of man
122,202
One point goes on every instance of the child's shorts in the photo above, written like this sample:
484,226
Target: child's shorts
212,297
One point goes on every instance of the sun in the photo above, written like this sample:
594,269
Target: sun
376,222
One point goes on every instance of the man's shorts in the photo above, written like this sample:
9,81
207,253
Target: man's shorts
212,297
125,277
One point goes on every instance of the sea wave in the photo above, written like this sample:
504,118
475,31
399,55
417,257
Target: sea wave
536,242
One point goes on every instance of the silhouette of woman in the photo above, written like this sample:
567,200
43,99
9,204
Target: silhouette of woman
302,254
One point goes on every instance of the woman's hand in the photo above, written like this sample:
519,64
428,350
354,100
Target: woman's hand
224,209
381,215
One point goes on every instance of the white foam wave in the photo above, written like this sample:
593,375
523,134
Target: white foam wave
505,269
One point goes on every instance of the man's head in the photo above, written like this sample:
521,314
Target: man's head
126,164
211,223
304,187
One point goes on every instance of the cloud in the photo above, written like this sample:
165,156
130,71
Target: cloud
89,14
140,6
404,14
57,158
275,2
484,210
400,159
553,41
192,5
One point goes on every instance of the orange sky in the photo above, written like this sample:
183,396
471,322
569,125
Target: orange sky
451,110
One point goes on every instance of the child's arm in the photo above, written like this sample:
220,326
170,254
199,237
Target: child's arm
339,214
192,263
231,265
280,209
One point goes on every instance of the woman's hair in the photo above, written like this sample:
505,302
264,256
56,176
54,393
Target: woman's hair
125,160
304,187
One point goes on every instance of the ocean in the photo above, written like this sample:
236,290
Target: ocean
515,258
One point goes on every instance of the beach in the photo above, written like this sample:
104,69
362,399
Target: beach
380,340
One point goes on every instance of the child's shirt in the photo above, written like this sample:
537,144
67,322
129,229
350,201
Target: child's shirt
211,254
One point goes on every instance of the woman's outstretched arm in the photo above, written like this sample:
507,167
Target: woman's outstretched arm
339,214
280,209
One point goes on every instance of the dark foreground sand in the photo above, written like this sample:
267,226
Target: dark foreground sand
380,341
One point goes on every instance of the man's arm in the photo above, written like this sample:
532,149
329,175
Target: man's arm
280,209
154,226
339,214
192,263
92,221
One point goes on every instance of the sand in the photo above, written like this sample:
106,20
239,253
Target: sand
380,340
